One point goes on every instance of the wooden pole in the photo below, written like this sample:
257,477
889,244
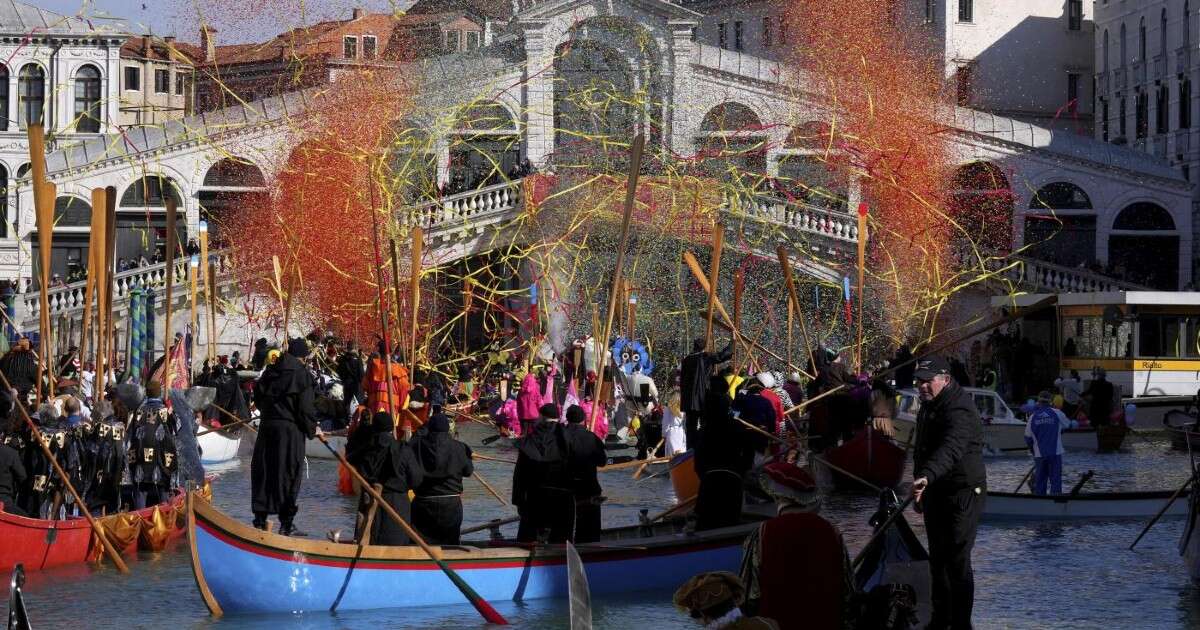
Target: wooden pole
739,284
209,347
396,294
468,297
785,265
791,316
382,309
713,273
635,167
727,321
45,223
414,295
97,282
110,287
95,262
193,270
862,258
632,299
485,609
111,551
170,270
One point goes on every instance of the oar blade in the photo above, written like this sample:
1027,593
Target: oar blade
577,586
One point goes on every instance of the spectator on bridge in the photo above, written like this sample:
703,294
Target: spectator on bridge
193,248
56,282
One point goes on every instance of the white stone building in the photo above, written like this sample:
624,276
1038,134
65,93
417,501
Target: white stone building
688,95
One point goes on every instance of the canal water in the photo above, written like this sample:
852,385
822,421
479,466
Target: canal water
1028,575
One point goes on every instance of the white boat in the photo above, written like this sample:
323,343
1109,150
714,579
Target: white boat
316,450
1003,431
217,446
1085,505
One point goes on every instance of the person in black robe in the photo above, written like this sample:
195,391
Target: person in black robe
153,456
350,371
542,484
722,458
694,373
437,510
20,368
585,454
12,479
284,396
258,360
390,464
229,397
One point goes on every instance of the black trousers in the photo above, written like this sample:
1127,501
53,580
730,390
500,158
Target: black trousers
587,519
550,510
148,494
10,506
951,522
719,502
438,519
649,434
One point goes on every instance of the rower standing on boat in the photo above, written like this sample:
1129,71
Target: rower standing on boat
950,487
585,454
1043,434
284,397
722,459
437,510
385,461
152,448
542,483
12,477
694,381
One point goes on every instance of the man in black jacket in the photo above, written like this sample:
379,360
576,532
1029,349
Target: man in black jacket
541,486
350,370
693,385
284,396
437,510
585,453
950,488
12,477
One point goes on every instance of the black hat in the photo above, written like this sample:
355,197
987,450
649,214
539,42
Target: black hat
549,411
929,367
439,423
576,414
298,348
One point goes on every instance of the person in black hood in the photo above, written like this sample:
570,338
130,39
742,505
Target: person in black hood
259,359
585,453
389,463
284,396
722,458
350,370
12,479
20,367
542,483
693,384
437,508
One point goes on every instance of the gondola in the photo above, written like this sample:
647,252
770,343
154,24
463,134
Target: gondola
870,455
40,544
1085,505
895,559
316,450
240,569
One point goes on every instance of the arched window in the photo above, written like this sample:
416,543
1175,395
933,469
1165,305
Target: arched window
1144,217
234,173
814,135
4,99
1124,48
486,116
730,117
31,95
1142,40
1060,196
72,212
23,170
87,100
4,183
1106,51
149,192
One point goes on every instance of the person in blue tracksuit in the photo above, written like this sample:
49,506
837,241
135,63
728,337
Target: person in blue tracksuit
1043,434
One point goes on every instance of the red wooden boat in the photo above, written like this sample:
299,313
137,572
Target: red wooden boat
41,544
870,455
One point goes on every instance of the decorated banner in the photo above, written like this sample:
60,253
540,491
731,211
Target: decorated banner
137,332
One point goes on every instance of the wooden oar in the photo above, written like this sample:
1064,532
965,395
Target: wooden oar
485,609
492,459
879,532
490,524
223,427
577,588
487,486
638,473
634,463
1087,476
1023,479
112,552
235,418
685,504
1164,509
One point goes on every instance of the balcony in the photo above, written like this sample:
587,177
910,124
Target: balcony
1160,67
1101,83
1183,142
1183,59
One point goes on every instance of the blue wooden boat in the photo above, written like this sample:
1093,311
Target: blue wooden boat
240,569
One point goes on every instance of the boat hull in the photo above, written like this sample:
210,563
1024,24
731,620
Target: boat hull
684,479
1189,542
216,447
871,456
1114,505
41,544
242,570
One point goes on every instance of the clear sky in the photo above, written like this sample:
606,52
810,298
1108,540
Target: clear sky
237,21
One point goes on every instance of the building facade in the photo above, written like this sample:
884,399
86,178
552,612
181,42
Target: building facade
157,80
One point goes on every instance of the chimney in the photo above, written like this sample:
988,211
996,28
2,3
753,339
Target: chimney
359,13
208,43
146,49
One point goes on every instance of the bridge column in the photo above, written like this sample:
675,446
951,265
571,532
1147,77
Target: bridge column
539,91
679,121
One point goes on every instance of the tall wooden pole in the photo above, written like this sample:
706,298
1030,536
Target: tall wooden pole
714,272
43,201
171,238
193,271
414,295
785,265
468,297
209,339
791,315
90,292
635,168
382,308
110,287
396,301
739,284
97,281
862,258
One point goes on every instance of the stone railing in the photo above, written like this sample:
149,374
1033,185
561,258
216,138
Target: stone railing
1044,276
830,223
70,298
474,206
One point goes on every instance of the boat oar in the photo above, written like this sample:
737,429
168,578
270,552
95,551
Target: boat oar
485,609
1025,478
633,463
1164,509
492,459
686,504
638,473
879,531
1087,476
490,524
487,486
234,418
222,427
847,473
112,552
